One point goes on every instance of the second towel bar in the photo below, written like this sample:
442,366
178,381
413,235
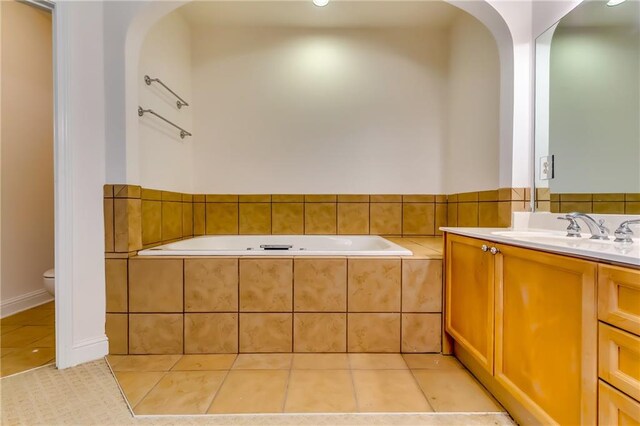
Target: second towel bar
183,132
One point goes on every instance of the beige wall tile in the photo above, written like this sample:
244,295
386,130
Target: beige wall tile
287,198
313,391
116,331
199,198
491,195
452,214
422,285
187,198
543,194
385,198
187,219
347,198
421,332
116,284
504,214
467,214
315,332
353,218
374,285
211,333
155,333
518,194
388,391
373,332
452,198
266,333
211,285
576,197
171,220
415,198
632,207
255,198
199,219
418,218
576,206
155,285
488,214
109,230
255,218
171,196
608,197
151,222
107,191
441,218
320,285
151,194
221,198
287,218
320,198
222,218
126,191
608,207
127,224
544,206
266,285
386,218
251,392
320,218
468,197
635,197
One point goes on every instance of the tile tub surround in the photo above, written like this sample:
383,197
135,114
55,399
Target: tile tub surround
253,305
298,383
137,218
591,203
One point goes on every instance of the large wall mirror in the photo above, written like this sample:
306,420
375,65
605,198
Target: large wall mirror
587,127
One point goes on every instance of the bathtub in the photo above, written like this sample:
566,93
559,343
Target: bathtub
280,245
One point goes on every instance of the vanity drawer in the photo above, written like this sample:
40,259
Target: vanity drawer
619,297
616,408
619,359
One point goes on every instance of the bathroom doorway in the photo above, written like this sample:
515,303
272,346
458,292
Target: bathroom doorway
27,309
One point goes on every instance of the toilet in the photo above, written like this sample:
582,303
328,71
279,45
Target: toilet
49,280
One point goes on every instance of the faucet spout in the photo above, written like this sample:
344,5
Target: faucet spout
596,228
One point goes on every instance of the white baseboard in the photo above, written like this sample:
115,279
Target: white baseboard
24,302
89,350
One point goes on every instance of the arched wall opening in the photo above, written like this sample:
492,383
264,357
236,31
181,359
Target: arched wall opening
468,159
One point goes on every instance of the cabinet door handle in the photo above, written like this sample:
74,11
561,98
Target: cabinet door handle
494,250
484,247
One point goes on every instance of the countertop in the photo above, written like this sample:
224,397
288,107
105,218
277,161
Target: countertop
627,254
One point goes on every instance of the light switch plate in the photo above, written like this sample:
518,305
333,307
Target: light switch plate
546,167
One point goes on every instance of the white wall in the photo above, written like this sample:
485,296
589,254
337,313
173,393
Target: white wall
594,109
473,151
319,111
27,155
166,160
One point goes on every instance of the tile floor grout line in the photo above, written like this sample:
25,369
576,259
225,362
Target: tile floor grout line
426,398
353,384
286,391
215,394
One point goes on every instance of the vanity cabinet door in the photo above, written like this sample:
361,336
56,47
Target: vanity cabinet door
546,334
469,297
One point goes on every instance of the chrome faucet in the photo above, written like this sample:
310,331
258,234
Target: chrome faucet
573,230
597,229
624,233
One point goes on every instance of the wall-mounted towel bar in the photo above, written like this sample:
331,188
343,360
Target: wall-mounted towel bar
142,112
180,102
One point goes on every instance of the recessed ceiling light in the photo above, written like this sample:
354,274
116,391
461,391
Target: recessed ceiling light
615,2
321,3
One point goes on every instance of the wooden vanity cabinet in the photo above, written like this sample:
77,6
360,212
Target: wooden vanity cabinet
529,319
470,297
546,334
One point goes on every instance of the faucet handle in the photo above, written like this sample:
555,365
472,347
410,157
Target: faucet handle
623,234
573,230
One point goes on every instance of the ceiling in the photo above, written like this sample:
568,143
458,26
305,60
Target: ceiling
337,14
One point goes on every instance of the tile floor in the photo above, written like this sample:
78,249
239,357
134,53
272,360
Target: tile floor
298,383
27,340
